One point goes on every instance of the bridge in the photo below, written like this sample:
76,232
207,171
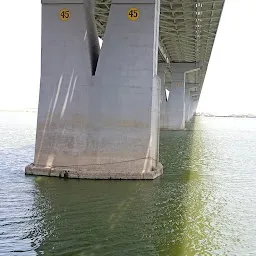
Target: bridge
100,110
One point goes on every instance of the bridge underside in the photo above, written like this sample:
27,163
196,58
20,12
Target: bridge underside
99,109
187,31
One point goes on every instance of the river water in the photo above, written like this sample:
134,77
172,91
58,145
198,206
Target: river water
204,204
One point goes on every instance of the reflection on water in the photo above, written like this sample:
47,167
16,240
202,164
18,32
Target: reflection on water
204,204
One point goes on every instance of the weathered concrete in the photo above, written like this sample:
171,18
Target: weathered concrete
68,61
102,126
175,107
93,172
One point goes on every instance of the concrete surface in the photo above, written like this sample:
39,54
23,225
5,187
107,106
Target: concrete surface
187,104
93,172
175,107
161,71
104,125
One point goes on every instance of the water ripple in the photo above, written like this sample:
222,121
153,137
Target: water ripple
203,205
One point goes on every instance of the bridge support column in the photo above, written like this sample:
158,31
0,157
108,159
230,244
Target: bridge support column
161,74
194,100
188,106
175,110
191,108
99,116
194,104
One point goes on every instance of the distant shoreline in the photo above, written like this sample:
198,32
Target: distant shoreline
229,116
19,110
33,110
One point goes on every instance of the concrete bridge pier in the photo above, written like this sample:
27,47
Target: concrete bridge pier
162,70
193,104
175,107
188,106
99,111
190,92
191,109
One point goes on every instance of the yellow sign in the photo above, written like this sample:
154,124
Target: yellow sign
64,14
133,13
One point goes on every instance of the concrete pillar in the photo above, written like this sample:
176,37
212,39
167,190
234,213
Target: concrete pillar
162,69
192,103
194,106
193,100
187,104
99,116
175,109
191,109
69,55
195,103
190,89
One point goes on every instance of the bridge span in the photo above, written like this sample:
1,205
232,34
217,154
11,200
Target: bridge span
100,110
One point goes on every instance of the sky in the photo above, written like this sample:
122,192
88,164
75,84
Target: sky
229,85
